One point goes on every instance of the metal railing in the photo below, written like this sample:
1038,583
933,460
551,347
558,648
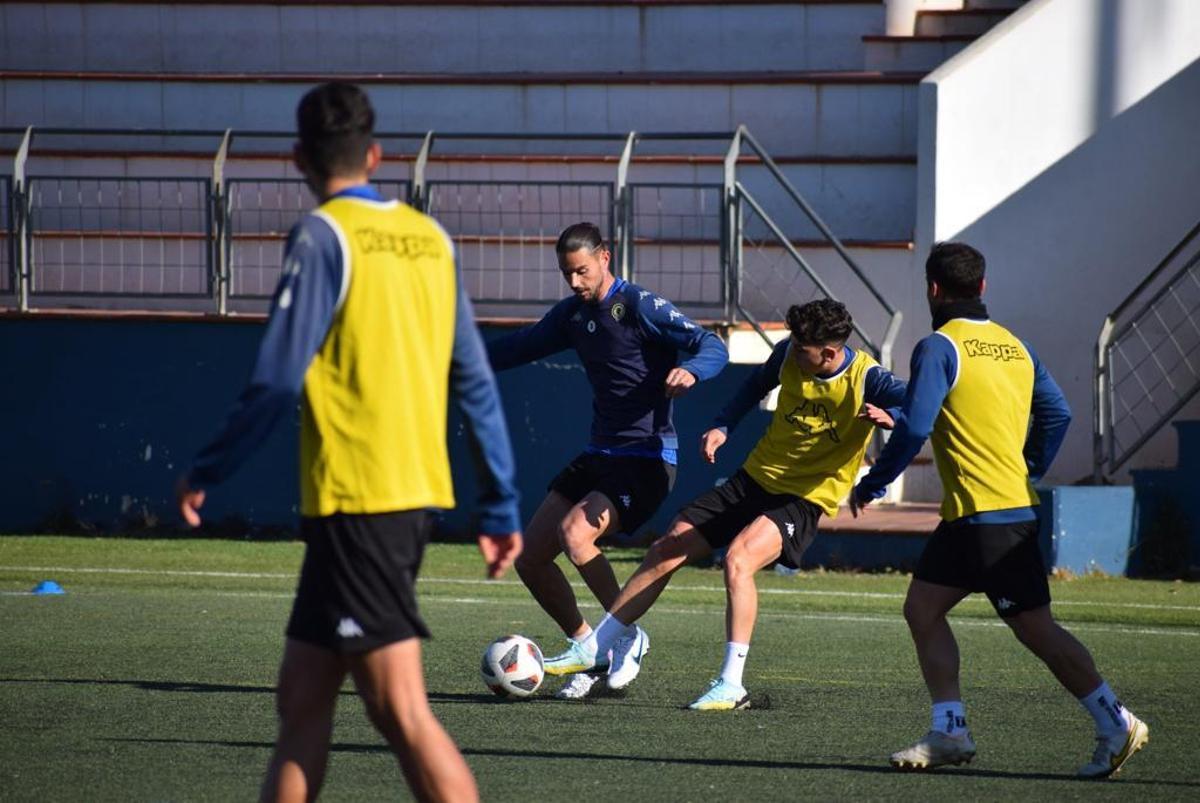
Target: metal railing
708,243
1147,359
784,276
7,273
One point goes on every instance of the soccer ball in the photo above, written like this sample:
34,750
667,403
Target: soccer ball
512,667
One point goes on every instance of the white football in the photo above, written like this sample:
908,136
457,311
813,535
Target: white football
512,667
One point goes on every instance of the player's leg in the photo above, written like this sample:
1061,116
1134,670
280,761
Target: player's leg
541,575
681,545
756,546
617,631
925,608
309,680
578,531
1018,589
391,684
946,572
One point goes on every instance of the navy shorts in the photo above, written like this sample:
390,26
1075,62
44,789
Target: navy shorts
357,587
1001,560
720,514
635,486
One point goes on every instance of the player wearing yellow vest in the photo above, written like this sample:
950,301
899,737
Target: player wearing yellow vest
370,330
973,389
830,399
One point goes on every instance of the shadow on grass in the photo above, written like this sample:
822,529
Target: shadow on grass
224,688
704,761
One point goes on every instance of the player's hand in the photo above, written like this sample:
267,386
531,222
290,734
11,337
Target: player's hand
709,443
189,500
857,504
499,552
877,416
678,382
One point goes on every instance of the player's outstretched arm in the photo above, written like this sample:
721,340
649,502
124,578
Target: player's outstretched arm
661,321
933,367
303,307
547,336
473,388
761,381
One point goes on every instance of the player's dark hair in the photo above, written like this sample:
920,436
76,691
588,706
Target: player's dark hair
335,121
957,268
580,235
823,322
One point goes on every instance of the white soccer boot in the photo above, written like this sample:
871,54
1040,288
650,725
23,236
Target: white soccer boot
721,696
935,749
626,660
576,658
578,686
1113,751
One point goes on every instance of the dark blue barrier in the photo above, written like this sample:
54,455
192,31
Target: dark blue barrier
99,415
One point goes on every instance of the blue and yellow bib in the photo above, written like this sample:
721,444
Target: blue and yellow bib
815,442
373,422
979,436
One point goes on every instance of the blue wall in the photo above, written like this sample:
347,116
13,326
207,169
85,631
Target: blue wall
99,416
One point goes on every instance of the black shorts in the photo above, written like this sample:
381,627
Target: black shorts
636,486
1001,560
357,587
720,514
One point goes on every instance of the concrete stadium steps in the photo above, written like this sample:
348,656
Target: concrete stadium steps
437,36
961,22
832,113
914,53
939,34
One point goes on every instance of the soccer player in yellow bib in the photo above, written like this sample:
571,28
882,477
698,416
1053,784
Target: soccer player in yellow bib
830,398
973,388
371,330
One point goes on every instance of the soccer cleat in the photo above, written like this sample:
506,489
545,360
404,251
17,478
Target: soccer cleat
577,658
578,687
626,659
1113,751
721,696
935,749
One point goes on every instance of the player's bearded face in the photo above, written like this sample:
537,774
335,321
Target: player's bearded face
586,272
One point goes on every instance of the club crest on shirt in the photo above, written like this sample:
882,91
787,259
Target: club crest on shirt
617,311
591,326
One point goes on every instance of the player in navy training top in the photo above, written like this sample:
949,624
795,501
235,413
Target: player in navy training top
630,341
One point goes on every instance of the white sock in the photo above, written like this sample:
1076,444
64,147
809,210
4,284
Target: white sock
949,718
1106,710
735,662
608,631
589,635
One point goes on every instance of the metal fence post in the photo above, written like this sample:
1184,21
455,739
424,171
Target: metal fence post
420,195
218,234
731,251
1100,408
624,217
21,205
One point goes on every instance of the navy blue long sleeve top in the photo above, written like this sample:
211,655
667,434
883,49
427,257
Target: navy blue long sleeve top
628,342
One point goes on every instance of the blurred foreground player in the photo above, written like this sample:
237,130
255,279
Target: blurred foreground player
973,388
369,321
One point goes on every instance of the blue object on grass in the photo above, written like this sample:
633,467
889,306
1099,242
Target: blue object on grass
48,587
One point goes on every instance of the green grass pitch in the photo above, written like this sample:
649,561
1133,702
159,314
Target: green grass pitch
152,679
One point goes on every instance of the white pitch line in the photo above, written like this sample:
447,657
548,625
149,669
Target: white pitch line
516,583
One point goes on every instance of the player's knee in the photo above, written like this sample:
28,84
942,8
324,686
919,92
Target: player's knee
578,540
918,615
738,566
397,720
666,554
